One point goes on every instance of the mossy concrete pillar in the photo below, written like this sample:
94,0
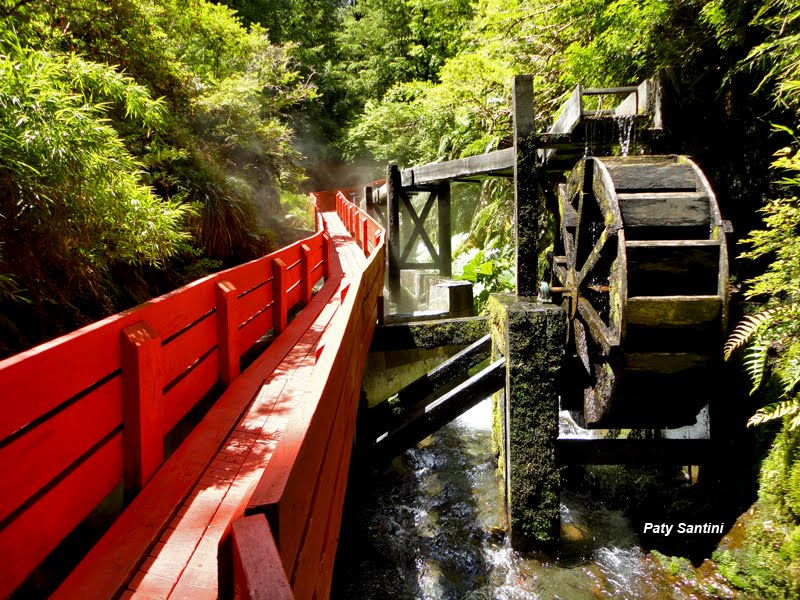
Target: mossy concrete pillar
531,335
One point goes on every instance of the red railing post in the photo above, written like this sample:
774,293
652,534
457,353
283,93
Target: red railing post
227,332
257,570
143,438
305,276
279,307
365,235
353,221
326,256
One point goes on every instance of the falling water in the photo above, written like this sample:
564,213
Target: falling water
625,129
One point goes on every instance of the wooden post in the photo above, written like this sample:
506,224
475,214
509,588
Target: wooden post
227,332
380,306
369,207
365,235
530,335
143,438
278,295
526,211
326,256
305,276
257,570
445,231
393,208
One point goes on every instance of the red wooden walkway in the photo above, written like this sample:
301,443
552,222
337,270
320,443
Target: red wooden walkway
82,414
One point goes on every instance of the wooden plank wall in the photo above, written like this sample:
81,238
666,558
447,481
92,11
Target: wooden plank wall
87,411
302,491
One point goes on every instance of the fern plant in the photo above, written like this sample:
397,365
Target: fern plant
772,336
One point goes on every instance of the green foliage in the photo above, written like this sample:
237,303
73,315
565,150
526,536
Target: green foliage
778,327
779,55
299,211
491,270
68,185
766,563
386,42
134,133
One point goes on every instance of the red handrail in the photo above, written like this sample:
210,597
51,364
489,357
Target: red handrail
302,490
82,413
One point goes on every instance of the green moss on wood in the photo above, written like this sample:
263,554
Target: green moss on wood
531,336
765,561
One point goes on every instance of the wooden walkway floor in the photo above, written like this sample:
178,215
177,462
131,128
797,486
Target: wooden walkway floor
183,563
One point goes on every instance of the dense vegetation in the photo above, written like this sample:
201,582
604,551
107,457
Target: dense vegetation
145,142
141,144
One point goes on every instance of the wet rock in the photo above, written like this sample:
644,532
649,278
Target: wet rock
570,532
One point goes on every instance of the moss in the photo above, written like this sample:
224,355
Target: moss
767,561
678,566
531,336
449,332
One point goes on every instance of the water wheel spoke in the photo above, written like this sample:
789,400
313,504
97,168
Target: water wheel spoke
600,332
597,398
569,221
582,345
594,255
560,273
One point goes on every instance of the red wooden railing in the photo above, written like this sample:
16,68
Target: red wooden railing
299,498
83,413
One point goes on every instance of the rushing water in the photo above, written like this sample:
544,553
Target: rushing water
432,525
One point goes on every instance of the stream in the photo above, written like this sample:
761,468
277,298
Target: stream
432,525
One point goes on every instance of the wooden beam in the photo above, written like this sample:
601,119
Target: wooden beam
482,164
387,415
445,231
393,189
526,208
257,571
582,451
443,410
418,228
429,334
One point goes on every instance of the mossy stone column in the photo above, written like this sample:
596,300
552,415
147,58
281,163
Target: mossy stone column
531,335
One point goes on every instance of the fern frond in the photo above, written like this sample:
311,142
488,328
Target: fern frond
790,375
775,411
746,328
755,362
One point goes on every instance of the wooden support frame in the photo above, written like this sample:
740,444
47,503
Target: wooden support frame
399,200
393,189
418,229
372,206
526,207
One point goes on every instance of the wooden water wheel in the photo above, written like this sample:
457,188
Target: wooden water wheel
642,270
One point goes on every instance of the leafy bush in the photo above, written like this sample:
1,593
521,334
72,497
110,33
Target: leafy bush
71,194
